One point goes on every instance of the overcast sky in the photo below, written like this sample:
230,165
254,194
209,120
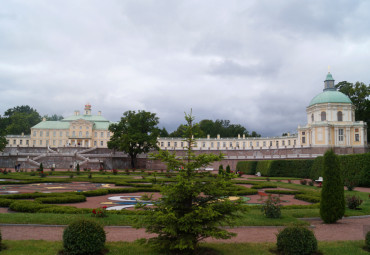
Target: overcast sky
256,63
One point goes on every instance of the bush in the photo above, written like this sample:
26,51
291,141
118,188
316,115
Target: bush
285,192
247,167
271,208
1,245
303,182
367,240
83,237
332,205
353,202
308,198
61,199
296,241
100,212
228,170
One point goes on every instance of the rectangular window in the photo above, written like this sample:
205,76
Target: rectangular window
283,143
237,144
295,142
54,133
182,144
47,133
101,134
47,142
34,133
20,142
108,134
264,143
303,133
101,143
60,133
211,144
94,143
67,133
41,133
168,144
14,141
357,137
162,144
243,144
54,142
96,134
80,134
60,142
204,144
288,142
340,134
303,139
87,133
218,144
73,133
175,144
270,143
195,144
27,142
277,143
251,144
224,144
34,142
40,142
258,144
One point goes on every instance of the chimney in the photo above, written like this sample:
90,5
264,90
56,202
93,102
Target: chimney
99,113
43,119
218,136
243,136
238,136
22,134
208,136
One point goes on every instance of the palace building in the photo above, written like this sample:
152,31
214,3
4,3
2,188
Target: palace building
330,124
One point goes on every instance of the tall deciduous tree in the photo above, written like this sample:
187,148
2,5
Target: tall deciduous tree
3,142
332,205
136,133
20,119
191,209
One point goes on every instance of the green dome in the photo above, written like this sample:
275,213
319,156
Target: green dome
330,96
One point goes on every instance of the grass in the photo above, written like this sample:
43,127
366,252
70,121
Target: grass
37,247
274,178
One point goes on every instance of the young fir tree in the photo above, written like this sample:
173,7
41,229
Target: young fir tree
228,170
221,170
190,210
332,204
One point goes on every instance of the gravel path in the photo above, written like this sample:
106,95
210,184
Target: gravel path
345,229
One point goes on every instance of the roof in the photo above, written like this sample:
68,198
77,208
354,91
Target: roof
94,118
330,96
52,125
329,77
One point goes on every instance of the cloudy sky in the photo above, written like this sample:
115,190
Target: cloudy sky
256,63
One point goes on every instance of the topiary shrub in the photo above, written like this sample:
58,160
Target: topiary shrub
1,245
332,204
296,241
367,240
228,170
353,202
83,237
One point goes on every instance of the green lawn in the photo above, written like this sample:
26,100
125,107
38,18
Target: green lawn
36,247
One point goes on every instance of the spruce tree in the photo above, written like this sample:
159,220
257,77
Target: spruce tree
190,209
332,205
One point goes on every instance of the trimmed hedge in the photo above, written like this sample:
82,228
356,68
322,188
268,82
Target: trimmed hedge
264,167
61,199
247,167
284,192
4,202
308,198
291,207
264,186
299,168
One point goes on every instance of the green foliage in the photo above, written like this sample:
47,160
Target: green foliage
367,240
332,205
263,167
3,142
308,198
285,168
61,199
19,120
78,168
228,170
353,202
83,237
4,202
190,209
247,167
296,241
285,192
271,207
136,133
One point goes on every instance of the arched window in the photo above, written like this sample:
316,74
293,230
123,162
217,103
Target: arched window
340,116
312,118
323,116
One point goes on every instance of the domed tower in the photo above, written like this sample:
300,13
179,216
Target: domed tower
331,121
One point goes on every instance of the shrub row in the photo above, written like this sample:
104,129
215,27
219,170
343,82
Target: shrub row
312,206
308,198
285,192
247,167
61,199
264,186
354,167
